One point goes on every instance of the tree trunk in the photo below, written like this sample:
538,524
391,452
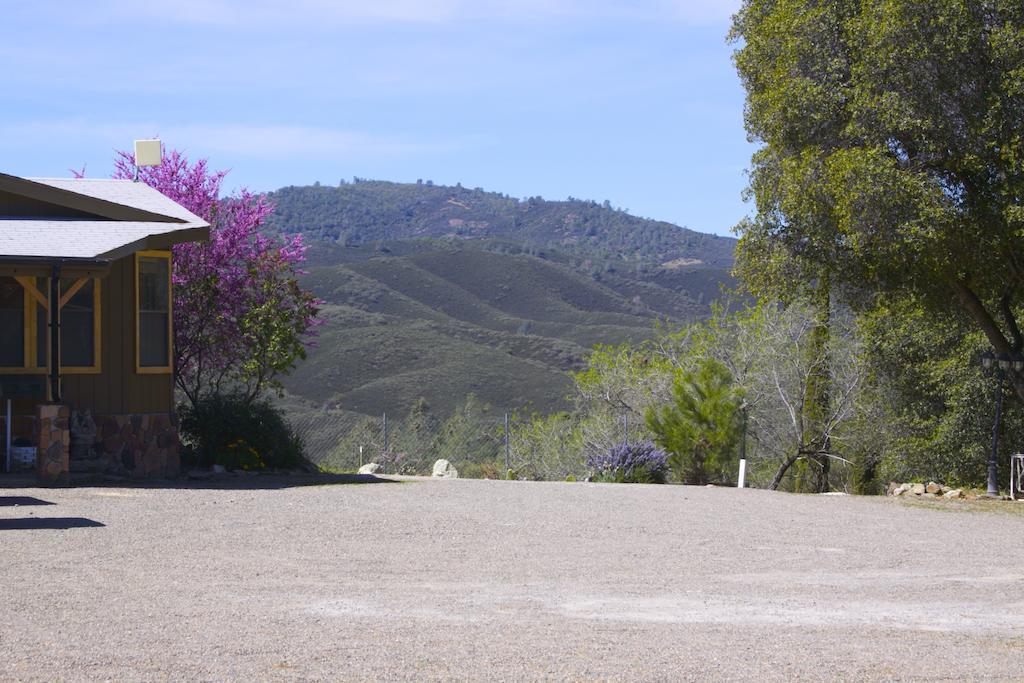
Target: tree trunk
782,471
698,475
818,393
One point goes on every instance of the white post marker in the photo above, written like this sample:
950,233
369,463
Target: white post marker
743,473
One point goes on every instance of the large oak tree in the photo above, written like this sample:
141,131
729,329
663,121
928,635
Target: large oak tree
892,153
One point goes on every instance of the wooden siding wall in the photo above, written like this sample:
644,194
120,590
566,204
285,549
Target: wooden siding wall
118,389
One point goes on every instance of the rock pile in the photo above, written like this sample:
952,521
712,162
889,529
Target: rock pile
929,490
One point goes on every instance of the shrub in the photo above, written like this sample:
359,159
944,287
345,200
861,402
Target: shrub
239,455
231,431
479,470
700,427
636,462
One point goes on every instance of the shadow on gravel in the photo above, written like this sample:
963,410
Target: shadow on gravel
31,523
205,481
261,481
17,501
246,481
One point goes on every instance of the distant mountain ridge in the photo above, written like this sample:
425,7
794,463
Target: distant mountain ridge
440,292
365,211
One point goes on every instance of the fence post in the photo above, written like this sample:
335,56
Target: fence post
507,463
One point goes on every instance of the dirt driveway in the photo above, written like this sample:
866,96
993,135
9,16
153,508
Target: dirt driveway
490,580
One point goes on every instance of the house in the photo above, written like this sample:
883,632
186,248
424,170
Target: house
86,352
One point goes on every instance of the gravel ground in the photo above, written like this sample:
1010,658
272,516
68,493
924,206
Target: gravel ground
491,580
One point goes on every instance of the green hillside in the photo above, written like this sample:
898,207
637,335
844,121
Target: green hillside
437,293
441,322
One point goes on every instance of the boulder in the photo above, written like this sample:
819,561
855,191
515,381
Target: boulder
369,468
891,489
933,487
953,493
444,469
917,489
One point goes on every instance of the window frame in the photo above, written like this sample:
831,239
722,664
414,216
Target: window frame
97,325
154,369
28,338
31,364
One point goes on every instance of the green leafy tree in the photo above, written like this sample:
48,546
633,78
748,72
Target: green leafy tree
700,428
891,152
934,408
548,447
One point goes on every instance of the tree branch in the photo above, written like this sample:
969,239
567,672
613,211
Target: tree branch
1011,321
976,309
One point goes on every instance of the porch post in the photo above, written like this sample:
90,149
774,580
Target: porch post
54,306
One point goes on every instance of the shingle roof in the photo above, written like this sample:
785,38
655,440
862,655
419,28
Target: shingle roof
84,239
138,217
126,193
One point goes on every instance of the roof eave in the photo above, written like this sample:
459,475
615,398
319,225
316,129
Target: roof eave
159,241
42,266
81,202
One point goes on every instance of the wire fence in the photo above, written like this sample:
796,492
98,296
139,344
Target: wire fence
477,445
478,441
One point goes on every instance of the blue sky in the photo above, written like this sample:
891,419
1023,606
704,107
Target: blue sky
634,102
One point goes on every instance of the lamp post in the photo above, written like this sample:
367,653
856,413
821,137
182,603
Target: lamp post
1001,364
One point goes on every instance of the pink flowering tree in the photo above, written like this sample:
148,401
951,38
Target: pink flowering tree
241,319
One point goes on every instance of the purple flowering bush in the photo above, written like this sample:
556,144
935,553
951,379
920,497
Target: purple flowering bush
630,462
242,320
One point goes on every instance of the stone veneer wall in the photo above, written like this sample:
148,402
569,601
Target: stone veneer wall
139,446
136,446
53,437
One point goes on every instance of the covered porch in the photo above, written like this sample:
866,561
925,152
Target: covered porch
86,332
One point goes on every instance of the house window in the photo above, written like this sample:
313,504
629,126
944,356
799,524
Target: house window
153,315
12,323
79,324
25,325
